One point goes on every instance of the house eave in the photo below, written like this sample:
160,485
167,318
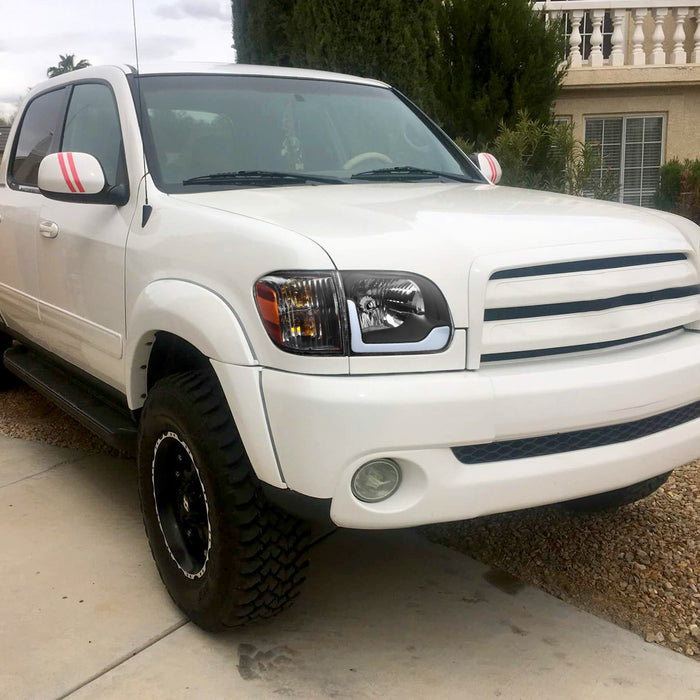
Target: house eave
605,77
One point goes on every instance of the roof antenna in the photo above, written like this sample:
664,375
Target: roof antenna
147,208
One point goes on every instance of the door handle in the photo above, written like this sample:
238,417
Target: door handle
48,229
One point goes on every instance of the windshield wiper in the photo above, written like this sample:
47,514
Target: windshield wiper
408,172
259,176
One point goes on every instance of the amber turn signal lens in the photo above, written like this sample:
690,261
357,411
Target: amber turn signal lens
267,305
300,312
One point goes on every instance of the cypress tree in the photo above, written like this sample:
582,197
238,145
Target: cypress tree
260,31
497,58
390,40
471,63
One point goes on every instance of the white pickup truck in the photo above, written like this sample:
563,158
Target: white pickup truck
292,296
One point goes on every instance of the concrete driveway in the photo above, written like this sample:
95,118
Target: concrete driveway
83,613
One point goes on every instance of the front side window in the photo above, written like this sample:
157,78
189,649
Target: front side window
204,125
631,150
37,137
92,126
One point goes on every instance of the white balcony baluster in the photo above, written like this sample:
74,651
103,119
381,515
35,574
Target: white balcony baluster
638,56
678,56
617,57
658,55
649,41
575,59
597,17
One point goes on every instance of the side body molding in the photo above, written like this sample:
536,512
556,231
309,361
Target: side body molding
190,311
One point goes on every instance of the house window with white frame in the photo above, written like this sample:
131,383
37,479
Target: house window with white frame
631,150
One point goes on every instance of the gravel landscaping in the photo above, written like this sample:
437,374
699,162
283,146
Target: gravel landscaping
638,567
28,415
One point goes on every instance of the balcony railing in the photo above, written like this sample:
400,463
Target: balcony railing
628,32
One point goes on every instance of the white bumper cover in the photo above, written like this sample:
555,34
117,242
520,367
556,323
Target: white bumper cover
325,427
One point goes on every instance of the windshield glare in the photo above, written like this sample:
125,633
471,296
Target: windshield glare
201,125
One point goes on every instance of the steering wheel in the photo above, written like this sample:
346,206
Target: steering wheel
368,155
405,131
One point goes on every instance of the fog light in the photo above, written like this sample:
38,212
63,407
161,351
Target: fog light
376,480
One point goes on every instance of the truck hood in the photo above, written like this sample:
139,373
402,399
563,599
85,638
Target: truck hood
371,224
441,229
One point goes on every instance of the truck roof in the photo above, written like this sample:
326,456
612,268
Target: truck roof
179,68
243,69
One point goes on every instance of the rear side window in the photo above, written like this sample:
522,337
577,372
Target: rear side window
92,126
37,136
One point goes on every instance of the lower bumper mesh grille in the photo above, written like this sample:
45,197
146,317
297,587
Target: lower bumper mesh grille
577,439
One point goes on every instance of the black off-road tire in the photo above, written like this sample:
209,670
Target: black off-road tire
7,379
256,556
619,497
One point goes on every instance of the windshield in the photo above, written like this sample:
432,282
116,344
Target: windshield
203,125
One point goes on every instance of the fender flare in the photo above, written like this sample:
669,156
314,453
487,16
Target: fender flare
189,311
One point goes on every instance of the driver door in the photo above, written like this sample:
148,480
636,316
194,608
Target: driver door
81,257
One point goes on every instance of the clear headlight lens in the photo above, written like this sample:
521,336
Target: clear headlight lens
395,312
386,303
379,312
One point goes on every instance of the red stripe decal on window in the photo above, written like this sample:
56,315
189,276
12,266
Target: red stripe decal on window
71,162
64,170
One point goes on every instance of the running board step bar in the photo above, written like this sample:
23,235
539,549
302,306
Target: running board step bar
84,403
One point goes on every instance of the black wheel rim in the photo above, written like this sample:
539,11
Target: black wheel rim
181,505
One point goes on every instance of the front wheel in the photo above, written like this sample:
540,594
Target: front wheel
225,554
619,497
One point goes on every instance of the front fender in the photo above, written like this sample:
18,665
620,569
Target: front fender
189,311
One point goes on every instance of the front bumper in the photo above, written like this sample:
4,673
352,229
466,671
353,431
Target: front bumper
325,427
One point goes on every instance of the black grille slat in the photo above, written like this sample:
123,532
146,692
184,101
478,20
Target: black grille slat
573,307
544,352
577,439
587,265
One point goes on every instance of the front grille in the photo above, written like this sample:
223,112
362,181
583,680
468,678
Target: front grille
576,439
584,305
586,265
569,349
576,307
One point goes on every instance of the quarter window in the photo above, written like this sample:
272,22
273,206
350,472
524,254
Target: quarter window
631,149
37,137
92,126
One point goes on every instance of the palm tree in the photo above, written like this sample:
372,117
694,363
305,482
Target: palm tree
66,64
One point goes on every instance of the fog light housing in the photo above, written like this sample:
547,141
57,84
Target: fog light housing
376,480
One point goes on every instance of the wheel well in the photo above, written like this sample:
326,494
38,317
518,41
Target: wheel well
171,354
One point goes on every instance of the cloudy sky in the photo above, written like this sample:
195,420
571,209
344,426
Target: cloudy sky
34,32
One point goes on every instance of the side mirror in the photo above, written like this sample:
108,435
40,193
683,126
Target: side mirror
489,166
77,177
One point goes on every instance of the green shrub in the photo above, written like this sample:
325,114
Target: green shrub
679,188
546,156
668,194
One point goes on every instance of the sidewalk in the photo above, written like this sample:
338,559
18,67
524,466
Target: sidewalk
385,615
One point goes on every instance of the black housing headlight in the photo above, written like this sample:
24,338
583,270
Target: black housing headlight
363,312
395,312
